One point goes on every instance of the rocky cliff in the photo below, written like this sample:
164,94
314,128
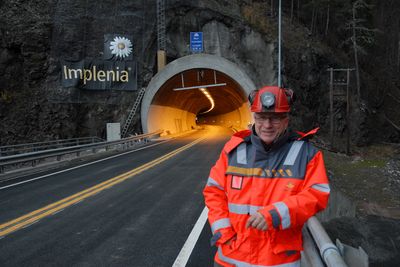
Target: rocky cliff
36,35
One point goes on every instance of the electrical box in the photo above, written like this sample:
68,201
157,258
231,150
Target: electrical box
113,131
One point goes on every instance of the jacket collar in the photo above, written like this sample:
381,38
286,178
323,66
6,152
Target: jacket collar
288,135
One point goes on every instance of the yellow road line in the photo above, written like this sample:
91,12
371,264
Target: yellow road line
29,218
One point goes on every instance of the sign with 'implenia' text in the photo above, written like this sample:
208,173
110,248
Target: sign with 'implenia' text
99,74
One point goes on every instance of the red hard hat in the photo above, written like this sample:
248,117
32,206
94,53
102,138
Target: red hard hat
271,99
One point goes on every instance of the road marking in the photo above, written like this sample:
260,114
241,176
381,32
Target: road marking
58,211
26,226
191,241
24,220
83,165
79,202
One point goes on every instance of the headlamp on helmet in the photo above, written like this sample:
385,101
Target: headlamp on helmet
268,99
271,99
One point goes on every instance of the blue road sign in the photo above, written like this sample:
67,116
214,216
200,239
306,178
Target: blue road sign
196,41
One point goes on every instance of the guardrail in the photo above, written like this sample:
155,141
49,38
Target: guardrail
35,158
319,250
45,145
328,252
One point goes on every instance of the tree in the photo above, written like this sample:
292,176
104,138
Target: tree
327,18
361,37
314,9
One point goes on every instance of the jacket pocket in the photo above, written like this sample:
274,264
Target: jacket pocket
236,246
287,240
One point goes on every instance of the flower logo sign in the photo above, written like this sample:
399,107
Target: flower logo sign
121,47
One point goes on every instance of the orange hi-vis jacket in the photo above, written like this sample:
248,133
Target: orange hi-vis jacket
287,184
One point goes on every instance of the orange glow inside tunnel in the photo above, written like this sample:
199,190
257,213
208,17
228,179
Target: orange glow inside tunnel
176,109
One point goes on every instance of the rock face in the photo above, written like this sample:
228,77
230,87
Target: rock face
35,36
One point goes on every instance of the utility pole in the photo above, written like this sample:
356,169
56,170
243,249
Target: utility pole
161,52
340,94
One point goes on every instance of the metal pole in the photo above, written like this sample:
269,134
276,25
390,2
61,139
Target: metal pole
279,45
331,104
348,113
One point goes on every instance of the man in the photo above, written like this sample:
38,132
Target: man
265,185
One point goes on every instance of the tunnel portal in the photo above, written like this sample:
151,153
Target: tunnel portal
194,90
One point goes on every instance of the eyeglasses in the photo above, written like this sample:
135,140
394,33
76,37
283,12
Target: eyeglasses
274,119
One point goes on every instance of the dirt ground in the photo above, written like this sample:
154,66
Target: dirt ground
370,179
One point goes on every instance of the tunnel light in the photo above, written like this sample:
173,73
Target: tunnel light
199,86
208,95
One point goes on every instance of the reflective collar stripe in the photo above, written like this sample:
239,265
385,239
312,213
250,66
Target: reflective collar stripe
212,182
283,211
219,224
322,187
243,208
293,153
238,263
241,155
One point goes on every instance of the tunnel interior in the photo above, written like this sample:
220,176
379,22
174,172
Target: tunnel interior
196,97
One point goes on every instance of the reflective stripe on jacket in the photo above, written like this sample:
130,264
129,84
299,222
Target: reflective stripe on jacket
287,185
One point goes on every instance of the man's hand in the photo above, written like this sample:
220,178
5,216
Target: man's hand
257,221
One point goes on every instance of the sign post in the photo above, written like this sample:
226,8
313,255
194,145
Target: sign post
196,42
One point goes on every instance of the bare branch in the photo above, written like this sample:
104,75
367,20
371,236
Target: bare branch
365,29
393,97
360,49
361,4
392,123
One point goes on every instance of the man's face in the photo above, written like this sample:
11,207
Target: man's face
270,125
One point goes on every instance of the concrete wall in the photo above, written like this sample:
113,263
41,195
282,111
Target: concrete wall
171,120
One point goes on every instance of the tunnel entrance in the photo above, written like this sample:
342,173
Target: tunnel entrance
197,89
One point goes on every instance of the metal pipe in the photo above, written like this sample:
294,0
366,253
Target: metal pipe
331,106
329,252
279,44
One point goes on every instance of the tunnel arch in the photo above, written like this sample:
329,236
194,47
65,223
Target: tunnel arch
226,68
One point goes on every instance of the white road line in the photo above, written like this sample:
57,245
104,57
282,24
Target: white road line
26,226
187,248
80,166
78,202
58,211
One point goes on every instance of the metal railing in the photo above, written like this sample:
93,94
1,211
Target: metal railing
328,252
319,250
45,145
13,162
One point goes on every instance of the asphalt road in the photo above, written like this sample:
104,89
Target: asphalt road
123,211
